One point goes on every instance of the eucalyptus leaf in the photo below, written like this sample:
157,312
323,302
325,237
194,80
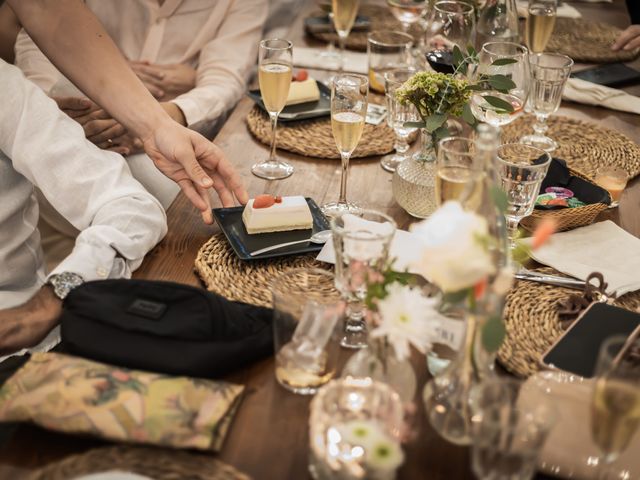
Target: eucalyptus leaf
493,334
504,61
458,57
413,124
501,83
498,103
472,51
467,115
440,133
435,121
453,298
499,198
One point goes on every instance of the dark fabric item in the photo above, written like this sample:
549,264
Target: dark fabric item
164,327
559,175
633,6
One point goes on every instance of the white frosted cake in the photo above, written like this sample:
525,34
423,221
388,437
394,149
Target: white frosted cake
267,213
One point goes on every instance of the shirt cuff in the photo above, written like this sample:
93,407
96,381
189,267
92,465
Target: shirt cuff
93,262
190,109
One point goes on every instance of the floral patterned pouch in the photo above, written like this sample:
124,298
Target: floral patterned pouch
74,395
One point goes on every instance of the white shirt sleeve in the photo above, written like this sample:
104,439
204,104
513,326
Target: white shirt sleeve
225,63
92,188
34,64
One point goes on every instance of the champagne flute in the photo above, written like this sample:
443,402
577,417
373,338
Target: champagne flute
408,12
344,16
549,73
541,19
615,408
521,169
274,75
459,172
348,112
451,23
487,105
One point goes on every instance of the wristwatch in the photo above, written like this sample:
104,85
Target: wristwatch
64,282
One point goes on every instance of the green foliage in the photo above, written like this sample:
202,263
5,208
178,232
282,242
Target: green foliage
493,334
378,290
500,104
499,198
503,61
501,83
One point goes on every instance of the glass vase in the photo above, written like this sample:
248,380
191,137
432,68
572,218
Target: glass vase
414,180
380,363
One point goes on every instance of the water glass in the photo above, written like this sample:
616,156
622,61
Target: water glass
459,172
614,180
450,24
361,243
306,328
491,110
387,50
549,73
521,170
348,113
274,76
615,408
354,430
541,18
397,115
509,429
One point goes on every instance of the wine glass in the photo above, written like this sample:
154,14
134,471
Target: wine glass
451,23
386,50
459,172
541,18
361,243
549,73
408,12
397,116
274,75
615,408
348,112
521,170
344,14
511,61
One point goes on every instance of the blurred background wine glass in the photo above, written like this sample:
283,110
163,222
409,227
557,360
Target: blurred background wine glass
386,50
408,12
541,19
343,14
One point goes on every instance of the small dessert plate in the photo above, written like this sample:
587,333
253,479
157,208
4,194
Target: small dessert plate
231,224
301,111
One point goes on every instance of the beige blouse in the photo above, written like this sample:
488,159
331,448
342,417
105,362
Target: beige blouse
217,37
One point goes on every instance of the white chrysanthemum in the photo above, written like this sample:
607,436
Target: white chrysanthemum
361,432
405,315
454,257
385,455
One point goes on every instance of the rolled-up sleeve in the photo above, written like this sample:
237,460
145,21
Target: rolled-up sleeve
93,189
34,64
225,64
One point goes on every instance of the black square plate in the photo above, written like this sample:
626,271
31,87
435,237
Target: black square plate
230,222
302,111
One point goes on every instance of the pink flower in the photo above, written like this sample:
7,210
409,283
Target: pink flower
543,231
120,376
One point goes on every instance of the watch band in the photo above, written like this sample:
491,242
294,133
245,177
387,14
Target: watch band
64,282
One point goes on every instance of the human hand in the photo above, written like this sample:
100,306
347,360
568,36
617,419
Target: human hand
164,81
28,324
628,39
98,126
195,164
75,106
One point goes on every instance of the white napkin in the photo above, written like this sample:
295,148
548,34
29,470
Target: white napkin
564,10
405,249
601,247
354,62
581,91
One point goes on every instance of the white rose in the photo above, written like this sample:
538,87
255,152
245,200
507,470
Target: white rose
453,257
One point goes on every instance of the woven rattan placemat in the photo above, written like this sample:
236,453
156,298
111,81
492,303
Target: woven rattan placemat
585,146
532,322
150,462
380,18
588,41
313,138
245,281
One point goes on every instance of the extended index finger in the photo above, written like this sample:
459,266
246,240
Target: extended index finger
228,180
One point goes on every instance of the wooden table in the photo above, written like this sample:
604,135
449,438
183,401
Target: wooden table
268,439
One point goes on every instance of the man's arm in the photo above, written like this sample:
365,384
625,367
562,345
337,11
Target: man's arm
73,38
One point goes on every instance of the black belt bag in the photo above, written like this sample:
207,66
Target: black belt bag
164,327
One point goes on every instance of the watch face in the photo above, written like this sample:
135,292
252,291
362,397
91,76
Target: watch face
64,282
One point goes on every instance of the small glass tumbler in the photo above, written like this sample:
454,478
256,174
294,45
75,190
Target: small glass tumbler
361,243
459,172
354,431
614,180
387,50
306,328
510,427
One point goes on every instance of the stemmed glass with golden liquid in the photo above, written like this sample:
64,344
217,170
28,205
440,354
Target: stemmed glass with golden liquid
348,113
541,19
344,14
274,75
615,408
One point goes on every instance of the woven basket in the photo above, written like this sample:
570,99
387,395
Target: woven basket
566,218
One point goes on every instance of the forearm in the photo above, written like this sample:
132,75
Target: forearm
75,41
